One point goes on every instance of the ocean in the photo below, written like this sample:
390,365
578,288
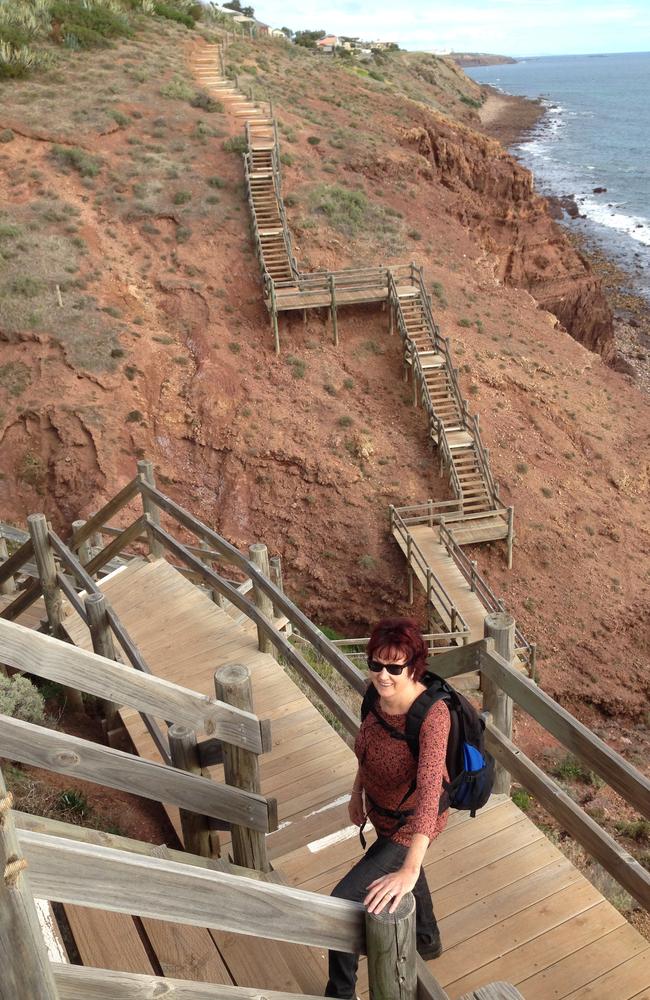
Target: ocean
595,134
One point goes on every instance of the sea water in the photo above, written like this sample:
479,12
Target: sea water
595,134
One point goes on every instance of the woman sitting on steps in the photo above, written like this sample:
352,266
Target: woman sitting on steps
392,866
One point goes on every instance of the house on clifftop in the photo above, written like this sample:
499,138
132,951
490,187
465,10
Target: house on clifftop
328,43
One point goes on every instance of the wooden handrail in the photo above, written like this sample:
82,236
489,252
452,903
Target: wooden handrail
41,655
79,982
71,872
16,560
284,605
282,644
94,523
633,786
70,755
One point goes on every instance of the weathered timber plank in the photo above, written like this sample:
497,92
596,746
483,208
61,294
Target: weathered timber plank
622,983
87,875
187,952
65,754
507,901
549,946
509,934
96,933
585,964
77,983
44,656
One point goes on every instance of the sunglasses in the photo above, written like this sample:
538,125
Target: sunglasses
395,669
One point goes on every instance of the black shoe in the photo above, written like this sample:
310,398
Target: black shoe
432,949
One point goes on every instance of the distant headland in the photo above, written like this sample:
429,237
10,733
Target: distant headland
479,59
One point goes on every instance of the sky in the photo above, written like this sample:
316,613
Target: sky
506,27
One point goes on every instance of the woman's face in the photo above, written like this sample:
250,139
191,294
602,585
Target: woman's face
388,685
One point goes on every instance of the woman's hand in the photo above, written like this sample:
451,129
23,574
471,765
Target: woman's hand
355,808
390,889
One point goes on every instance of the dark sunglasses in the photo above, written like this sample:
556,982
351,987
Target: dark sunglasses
394,669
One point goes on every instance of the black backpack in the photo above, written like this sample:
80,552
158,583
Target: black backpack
469,766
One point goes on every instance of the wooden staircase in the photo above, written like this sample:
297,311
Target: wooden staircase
426,354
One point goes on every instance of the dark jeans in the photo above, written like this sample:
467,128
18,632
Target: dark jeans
383,857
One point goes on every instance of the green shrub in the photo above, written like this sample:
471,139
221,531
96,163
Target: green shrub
345,209
77,159
88,26
236,144
521,798
119,117
181,197
174,14
313,140
7,135
570,768
470,101
205,102
298,366
464,322
20,699
134,417
177,89
216,182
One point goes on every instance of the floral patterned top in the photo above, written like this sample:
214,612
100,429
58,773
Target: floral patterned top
388,767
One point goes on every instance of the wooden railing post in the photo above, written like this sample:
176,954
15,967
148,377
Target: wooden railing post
44,555
24,962
511,518
102,640
335,325
390,944
232,684
499,626
83,550
185,756
145,473
275,570
7,586
259,556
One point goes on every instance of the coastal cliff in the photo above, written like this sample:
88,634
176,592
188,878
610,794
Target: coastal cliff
496,199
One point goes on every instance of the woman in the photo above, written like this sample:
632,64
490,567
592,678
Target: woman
392,866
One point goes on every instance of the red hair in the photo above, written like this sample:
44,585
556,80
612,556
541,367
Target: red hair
392,638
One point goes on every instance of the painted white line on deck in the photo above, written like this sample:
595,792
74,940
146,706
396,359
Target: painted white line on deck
330,805
333,838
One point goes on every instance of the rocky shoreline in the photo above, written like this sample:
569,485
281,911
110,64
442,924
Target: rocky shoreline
510,119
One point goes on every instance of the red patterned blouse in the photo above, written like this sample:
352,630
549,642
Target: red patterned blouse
388,767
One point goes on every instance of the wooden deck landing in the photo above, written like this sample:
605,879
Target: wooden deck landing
510,905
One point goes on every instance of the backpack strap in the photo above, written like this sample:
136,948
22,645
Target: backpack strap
437,690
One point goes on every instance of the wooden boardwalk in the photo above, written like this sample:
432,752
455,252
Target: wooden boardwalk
510,904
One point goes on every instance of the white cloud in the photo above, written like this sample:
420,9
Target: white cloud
517,27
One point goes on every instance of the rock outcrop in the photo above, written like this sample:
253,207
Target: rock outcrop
495,197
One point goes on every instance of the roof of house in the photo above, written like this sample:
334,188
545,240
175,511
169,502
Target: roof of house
328,40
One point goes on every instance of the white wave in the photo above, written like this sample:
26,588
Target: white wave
628,224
